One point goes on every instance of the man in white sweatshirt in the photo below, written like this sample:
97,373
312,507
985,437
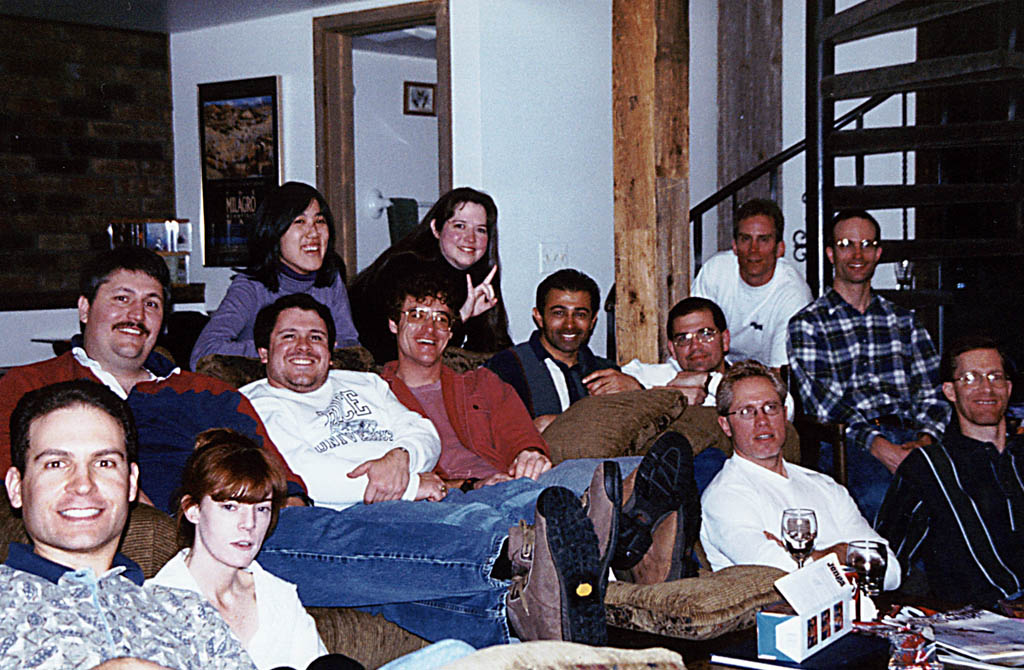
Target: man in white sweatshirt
440,570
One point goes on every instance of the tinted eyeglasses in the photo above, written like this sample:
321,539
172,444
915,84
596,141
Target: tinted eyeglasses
748,412
704,335
422,315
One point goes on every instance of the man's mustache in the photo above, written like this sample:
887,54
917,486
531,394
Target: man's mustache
132,324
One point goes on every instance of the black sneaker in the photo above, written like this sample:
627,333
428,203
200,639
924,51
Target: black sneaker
664,484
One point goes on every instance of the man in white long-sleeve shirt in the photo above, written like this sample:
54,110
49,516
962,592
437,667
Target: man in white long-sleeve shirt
348,432
436,568
742,507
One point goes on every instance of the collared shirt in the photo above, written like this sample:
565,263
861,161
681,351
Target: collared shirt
854,367
958,506
21,557
746,499
55,617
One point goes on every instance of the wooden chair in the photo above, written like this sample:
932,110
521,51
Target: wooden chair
813,432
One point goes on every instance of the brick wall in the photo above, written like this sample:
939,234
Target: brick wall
85,137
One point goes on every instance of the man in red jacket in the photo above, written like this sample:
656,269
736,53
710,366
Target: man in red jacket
488,437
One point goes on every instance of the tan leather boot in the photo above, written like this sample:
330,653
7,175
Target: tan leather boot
557,594
602,502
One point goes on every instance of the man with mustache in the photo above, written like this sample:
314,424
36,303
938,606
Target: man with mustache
957,506
124,293
861,360
757,288
555,368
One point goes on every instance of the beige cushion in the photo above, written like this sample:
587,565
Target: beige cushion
621,424
697,608
540,655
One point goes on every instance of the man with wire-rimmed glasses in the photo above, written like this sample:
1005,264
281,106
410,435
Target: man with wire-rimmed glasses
861,360
742,507
700,339
956,508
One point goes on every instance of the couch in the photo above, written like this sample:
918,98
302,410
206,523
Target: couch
623,424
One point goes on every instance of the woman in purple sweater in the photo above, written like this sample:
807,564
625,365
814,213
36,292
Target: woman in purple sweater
291,250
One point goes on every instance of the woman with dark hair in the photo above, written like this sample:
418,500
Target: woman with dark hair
291,250
457,239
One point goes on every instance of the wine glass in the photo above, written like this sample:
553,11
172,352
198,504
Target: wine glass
799,528
869,560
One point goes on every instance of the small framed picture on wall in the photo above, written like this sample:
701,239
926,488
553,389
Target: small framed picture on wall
418,98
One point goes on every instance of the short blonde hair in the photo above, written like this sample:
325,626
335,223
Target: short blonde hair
745,370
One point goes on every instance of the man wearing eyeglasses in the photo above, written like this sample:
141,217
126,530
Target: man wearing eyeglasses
756,287
488,439
957,507
742,507
866,362
700,340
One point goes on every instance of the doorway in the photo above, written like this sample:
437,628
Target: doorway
335,38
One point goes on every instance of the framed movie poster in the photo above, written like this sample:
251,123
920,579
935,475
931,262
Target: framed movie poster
241,160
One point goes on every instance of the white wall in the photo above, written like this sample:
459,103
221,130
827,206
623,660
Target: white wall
542,113
704,114
531,123
887,49
395,153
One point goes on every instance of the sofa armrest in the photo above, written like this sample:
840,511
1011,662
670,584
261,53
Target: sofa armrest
697,608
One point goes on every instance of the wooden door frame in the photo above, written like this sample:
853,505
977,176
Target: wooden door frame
333,108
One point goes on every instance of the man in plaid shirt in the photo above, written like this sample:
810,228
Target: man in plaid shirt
861,360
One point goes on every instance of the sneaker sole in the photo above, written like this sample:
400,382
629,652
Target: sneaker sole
573,545
656,493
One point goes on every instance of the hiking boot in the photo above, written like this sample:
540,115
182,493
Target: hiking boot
557,594
661,495
602,503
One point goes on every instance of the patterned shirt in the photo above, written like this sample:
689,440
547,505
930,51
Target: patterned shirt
958,507
854,367
54,617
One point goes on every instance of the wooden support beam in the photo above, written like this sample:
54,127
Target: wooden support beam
650,111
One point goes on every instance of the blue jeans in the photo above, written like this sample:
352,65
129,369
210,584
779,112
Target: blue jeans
436,655
866,478
425,566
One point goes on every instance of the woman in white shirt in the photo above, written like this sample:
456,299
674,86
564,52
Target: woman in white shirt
228,504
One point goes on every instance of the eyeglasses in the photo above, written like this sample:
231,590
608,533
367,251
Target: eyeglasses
972,378
420,315
704,335
771,408
847,243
